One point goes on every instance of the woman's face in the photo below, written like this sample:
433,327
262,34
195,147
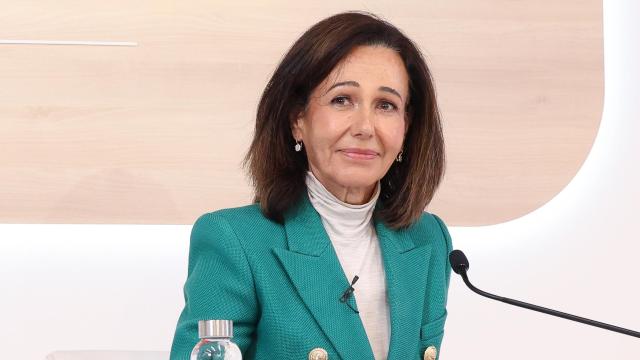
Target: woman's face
354,124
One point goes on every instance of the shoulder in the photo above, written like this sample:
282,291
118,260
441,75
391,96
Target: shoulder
236,217
431,229
231,214
245,224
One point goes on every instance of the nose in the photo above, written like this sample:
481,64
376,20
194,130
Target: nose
363,123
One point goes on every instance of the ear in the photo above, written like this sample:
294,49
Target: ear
407,118
297,126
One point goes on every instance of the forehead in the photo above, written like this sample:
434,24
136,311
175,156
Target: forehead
371,66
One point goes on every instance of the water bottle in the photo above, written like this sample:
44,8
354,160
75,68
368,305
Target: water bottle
215,341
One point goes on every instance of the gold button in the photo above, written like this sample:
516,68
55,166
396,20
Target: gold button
430,353
318,354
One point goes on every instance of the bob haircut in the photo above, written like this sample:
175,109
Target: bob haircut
278,172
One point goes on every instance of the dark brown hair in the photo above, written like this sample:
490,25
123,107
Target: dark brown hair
278,172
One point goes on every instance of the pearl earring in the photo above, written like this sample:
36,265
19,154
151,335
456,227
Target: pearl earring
399,158
298,146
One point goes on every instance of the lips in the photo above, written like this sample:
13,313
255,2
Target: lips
361,154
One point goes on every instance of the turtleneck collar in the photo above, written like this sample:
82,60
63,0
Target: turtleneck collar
338,217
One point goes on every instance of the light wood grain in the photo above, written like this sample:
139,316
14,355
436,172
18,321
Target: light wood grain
155,133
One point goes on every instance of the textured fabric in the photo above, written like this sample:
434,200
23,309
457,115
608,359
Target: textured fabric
281,285
350,229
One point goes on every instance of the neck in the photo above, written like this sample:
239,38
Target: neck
349,195
341,220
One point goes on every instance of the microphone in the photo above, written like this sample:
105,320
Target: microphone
460,265
347,294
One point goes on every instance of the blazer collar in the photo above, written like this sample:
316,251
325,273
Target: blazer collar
315,271
303,217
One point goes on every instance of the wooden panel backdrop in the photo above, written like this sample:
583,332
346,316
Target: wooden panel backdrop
155,133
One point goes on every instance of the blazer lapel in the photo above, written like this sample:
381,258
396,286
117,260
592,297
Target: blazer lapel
315,271
406,269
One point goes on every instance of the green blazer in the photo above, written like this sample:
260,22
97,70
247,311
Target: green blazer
281,284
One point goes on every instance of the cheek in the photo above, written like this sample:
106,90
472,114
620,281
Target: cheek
320,146
326,131
392,134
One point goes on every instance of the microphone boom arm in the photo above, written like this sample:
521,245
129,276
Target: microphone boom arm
463,273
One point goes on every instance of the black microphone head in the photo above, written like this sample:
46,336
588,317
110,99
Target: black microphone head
459,262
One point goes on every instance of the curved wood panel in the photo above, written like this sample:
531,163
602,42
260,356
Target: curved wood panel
155,133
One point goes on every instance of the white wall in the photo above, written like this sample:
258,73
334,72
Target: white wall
578,253
119,287
68,287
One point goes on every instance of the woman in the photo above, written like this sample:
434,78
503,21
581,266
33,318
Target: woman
347,153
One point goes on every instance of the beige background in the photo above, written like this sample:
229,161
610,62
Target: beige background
577,253
155,133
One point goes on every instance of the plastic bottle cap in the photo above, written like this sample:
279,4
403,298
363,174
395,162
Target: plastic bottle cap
215,329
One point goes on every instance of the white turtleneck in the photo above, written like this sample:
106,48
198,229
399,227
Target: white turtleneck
350,228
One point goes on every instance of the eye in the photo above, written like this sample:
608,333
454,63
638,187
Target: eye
341,100
388,106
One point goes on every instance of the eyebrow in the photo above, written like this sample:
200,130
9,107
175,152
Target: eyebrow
355,84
